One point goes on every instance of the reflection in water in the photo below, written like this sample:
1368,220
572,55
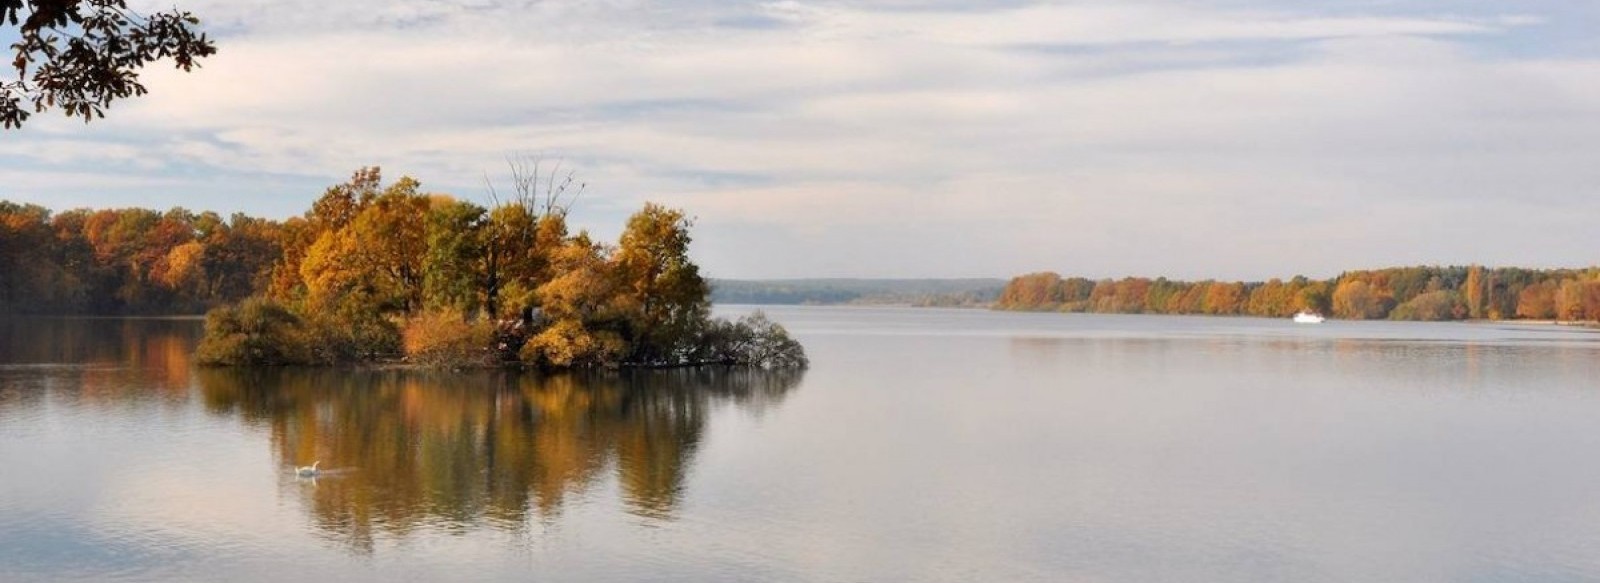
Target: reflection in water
129,341
406,449
929,446
95,361
1423,363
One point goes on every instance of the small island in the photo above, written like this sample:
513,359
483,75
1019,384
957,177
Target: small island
376,273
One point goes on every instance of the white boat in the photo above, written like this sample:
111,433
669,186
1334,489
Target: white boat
1308,317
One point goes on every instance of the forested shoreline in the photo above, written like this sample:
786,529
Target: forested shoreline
387,272
132,261
1427,293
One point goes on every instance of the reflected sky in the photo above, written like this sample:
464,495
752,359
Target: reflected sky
928,445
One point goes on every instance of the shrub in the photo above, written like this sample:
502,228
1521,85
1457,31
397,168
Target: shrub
445,338
351,334
258,331
567,343
753,340
1433,306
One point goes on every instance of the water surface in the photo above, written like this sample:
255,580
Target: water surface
929,445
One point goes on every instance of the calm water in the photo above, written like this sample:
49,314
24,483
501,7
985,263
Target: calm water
923,445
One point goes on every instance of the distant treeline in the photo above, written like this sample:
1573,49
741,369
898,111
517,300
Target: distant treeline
1401,293
916,292
131,261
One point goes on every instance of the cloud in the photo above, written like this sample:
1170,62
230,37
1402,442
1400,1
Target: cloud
1193,139
1116,23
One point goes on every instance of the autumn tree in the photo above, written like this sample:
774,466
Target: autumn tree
1268,299
1159,296
334,210
237,257
1568,300
1473,291
366,262
392,237
1034,291
662,287
1591,300
526,225
1537,301
370,244
1223,298
1192,300
1358,300
81,56
585,316
26,271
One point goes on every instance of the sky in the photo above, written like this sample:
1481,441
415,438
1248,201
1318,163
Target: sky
1229,139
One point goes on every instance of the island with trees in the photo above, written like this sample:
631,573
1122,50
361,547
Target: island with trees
377,272
1400,293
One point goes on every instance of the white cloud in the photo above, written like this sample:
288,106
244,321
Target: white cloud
1103,137
1118,23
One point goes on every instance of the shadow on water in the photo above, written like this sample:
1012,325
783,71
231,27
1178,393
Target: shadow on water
406,450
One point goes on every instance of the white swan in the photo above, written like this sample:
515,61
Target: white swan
308,471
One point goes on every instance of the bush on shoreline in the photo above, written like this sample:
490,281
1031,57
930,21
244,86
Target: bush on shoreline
448,339
257,332
753,340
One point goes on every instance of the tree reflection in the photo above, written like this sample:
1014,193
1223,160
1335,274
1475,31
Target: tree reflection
403,449
109,361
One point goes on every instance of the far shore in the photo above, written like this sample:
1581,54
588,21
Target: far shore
1571,323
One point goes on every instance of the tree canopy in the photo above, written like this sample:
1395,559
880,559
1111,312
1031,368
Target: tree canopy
79,56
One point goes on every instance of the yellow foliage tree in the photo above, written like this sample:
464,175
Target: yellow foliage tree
659,284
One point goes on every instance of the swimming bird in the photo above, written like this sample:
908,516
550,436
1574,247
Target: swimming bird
308,471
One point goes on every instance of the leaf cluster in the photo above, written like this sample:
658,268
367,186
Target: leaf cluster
80,56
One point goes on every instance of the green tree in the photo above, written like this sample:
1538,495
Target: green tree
1433,306
454,257
256,332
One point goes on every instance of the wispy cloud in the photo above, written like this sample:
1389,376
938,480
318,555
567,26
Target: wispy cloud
1238,139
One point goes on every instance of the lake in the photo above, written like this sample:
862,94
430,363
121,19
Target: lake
922,445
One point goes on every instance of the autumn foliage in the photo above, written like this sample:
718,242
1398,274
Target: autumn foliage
1405,293
131,261
446,338
377,271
